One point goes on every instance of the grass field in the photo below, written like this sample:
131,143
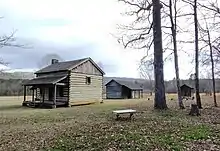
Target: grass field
93,127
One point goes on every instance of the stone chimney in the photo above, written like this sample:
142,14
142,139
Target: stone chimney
53,61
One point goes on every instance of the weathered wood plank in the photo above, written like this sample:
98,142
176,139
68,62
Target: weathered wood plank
82,92
113,90
87,68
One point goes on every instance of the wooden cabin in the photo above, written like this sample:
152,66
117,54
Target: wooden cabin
118,89
186,91
66,83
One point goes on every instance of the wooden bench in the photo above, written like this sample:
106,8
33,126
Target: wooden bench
126,111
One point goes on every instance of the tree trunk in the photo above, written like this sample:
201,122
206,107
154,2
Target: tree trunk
194,110
213,68
173,30
160,99
198,99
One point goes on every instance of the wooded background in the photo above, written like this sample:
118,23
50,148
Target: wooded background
13,87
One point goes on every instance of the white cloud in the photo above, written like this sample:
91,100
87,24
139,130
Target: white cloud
74,21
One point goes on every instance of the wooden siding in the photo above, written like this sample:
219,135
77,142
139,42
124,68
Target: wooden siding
76,90
113,90
46,93
80,92
117,91
87,68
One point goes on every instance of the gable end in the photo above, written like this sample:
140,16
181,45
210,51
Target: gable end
88,67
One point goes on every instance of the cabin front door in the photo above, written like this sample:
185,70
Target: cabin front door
51,92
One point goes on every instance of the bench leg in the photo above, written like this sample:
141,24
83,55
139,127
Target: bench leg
117,116
131,114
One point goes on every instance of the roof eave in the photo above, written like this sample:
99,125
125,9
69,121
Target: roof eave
50,71
45,83
111,81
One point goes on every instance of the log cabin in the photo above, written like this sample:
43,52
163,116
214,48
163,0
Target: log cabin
119,89
65,84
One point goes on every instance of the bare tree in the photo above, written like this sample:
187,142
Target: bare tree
8,40
147,72
139,34
173,21
210,7
198,99
144,37
213,66
209,21
196,42
160,99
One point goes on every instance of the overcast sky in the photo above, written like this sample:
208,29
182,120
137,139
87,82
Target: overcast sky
72,29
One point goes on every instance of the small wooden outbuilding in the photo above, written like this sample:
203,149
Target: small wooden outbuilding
186,90
118,89
66,83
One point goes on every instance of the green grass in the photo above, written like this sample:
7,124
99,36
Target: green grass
93,127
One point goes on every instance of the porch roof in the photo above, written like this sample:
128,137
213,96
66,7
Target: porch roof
45,80
129,84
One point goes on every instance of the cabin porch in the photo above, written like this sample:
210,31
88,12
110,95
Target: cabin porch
47,96
52,93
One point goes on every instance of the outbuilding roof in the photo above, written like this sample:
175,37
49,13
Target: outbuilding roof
186,85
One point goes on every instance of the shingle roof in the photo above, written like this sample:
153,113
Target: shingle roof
61,66
187,85
45,80
129,84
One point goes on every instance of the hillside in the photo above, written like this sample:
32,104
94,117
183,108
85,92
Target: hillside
16,75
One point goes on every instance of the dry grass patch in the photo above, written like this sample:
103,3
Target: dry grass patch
93,127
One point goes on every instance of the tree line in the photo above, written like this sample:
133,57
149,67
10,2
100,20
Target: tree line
13,87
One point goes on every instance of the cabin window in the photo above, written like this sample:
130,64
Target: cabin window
88,80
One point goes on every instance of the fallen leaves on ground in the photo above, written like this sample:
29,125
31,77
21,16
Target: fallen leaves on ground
94,128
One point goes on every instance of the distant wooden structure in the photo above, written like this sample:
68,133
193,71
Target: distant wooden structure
186,91
65,84
118,89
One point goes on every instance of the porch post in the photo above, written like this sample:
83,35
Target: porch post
142,93
32,95
24,93
55,95
36,93
139,94
24,104
132,94
43,92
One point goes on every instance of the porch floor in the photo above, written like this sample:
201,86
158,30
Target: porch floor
45,104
